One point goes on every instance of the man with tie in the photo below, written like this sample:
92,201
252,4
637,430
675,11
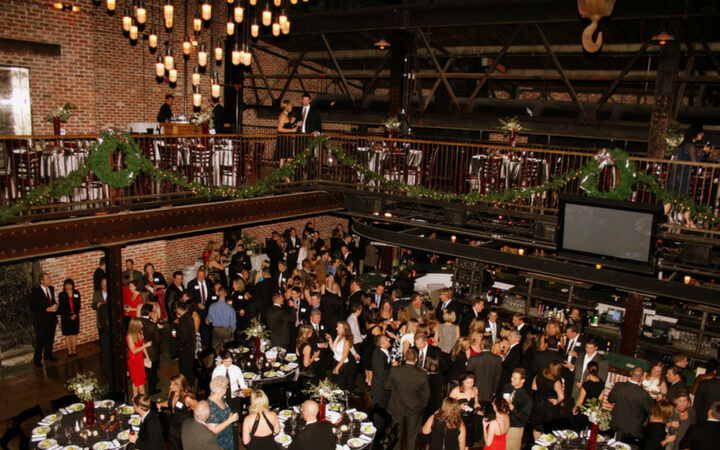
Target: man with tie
574,344
203,292
409,394
475,311
310,117
378,296
292,249
448,304
493,326
703,436
100,304
381,363
280,319
520,403
518,321
319,342
234,375
44,308
424,350
513,357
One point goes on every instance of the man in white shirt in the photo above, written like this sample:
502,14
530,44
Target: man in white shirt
581,363
232,372
493,326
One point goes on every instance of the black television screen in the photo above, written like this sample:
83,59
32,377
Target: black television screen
608,232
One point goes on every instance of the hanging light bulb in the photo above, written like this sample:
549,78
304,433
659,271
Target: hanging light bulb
197,97
152,38
169,61
206,10
266,16
202,55
197,24
186,45
196,76
236,55
293,2
133,32
285,28
253,2
218,51
127,20
283,17
172,76
230,2
168,14
277,3
160,67
141,13
254,29
111,5
238,13
276,28
215,87
247,59
230,27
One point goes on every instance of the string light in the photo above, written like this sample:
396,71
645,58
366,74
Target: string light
285,28
276,29
197,24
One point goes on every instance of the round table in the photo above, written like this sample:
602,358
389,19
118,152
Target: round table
66,428
354,429
283,369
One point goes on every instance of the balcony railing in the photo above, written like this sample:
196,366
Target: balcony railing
238,161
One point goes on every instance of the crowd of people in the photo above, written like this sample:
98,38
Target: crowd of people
450,375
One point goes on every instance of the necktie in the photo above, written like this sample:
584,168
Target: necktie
305,112
47,294
570,346
422,360
228,394
444,306
72,304
202,293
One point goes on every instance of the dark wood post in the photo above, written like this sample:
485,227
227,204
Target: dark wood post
631,324
113,261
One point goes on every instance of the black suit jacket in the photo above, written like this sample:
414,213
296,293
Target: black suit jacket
487,368
433,351
196,436
274,253
454,306
279,321
380,368
38,305
466,320
151,333
292,252
150,434
313,121
316,436
173,294
702,436
186,334
512,361
676,387
263,292
409,390
397,304
707,393
194,288
543,358
578,346
333,309
219,119
632,405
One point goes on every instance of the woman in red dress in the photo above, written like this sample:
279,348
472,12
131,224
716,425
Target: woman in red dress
132,301
136,355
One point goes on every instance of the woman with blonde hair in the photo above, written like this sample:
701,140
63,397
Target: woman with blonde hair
501,346
220,415
408,338
287,126
654,381
459,356
474,342
551,329
448,332
137,352
477,324
446,427
303,349
341,354
261,424
656,435
180,401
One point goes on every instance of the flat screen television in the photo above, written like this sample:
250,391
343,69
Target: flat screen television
611,233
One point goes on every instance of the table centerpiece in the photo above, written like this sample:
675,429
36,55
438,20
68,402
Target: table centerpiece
60,114
598,417
511,126
86,388
203,119
393,125
325,392
257,331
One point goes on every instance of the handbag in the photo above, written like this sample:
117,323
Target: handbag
148,363
308,372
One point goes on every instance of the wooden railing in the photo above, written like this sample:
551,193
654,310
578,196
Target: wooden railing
240,160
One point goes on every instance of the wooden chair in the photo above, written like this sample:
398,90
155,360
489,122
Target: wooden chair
490,180
64,401
395,167
26,166
10,435
201,170
35,411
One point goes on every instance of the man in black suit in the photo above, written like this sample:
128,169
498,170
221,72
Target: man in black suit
493,327
631,405
99,274
240,261
218,116
44,309
100,304
309,116
319,341
704,436
574,346
409,394
381,363
379,296
487,368
447,303
165,113
397,302
545,357
513,358
708,392
333,308
274,252
151,333
150,435
265,290
185,342
475,311
580,369
518,321
279,321
424,350
173,295
316,435
292,248
356,291
136,275
203,293
195,433
675,382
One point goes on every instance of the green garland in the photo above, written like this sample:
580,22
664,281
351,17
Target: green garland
101,155
99,162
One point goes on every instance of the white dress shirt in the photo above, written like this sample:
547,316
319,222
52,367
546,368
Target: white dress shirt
237,381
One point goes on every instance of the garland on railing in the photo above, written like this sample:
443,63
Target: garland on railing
99,163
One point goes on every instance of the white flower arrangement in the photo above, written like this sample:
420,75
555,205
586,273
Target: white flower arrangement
62,112
511,123
205,115
673,138
256,329
84,386
325,389
595,413
393,123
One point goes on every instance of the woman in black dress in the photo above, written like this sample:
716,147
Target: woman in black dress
180,402
656,437
69,310
260,425
306,356
287,126
466,395
373,327
446,428
435,380
592,388
459,358
549,394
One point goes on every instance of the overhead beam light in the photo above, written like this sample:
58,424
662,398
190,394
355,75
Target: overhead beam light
66,7
662,38
382,44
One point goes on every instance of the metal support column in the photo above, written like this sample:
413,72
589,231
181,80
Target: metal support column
113,261
665,88
398,52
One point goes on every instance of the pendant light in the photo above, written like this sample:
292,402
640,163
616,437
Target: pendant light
152,38
230,27
111,5
283,17
247,56
168,14
277,3
206,10
293,2
172,76
276,28
202,55
266,16
285,28
197,96
238,12
141,13
255,28
236,55
197,24
218,51
186,45
169,61
160,67
196,76
253,2
215,87
133,32
127,20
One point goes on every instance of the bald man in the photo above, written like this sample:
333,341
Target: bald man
316,435
195,433
632,405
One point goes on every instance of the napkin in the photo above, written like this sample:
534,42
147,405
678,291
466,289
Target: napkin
543,443
64,411
365,438
37,437
115,443
350,411
44,423
362,424
55,447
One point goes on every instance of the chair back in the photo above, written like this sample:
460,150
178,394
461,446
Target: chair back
10,435
64,401
35,411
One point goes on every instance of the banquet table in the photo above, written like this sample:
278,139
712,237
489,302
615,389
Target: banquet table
257,259
353,428
281,370
66,429
570,440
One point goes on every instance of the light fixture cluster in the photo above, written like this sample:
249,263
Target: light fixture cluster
244,20
60,6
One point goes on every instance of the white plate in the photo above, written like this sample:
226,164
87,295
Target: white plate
355,443
547,438
124,435
368,429
285,413
127,410
291,357
333,417
102,445
538,447
248,375
621,446
52,418
244,349
135,421
47,443
41,431
106,404
72,447
283,439
76,407
270,374
359,415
